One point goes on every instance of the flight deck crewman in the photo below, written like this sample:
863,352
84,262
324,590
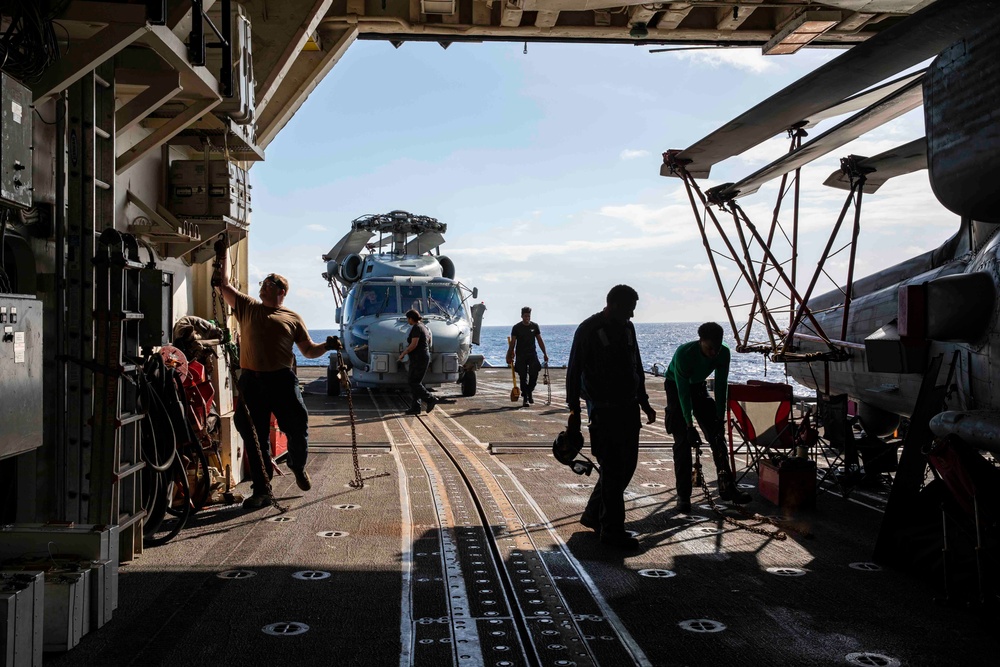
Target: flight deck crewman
268,384
522,348
687,399
419,345
605,367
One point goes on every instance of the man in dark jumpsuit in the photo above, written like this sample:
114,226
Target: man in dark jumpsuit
419,346
268,384
688,399
605,368
522,348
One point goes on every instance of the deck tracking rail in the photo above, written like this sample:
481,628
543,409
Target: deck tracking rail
487,580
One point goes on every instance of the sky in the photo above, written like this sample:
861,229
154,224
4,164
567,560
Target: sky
545,167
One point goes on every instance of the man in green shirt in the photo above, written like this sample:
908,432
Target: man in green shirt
687,399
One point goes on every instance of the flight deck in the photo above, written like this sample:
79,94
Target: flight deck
463,547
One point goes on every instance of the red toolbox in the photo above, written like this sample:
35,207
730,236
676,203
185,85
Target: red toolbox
790,484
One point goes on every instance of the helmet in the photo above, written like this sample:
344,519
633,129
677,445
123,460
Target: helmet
566,447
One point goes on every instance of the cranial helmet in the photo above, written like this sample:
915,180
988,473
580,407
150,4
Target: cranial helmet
566,447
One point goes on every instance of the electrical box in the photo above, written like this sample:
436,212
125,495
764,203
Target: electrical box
15,145
241,105
21,373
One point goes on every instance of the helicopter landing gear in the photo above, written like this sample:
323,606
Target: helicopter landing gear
332,381
469,383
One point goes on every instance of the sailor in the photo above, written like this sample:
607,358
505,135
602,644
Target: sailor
687,398
605,367
419,350
522,347
268,384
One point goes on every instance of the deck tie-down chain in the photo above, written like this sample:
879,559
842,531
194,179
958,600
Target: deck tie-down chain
358,482
780,532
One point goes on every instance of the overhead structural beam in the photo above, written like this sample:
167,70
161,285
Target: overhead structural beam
673,15
731,18
641,14
162,86
510,16
163,134
195,79
546,19
270,126
86,56
285,61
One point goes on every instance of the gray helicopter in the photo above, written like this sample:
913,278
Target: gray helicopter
403,269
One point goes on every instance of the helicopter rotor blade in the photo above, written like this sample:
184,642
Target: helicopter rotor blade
905,159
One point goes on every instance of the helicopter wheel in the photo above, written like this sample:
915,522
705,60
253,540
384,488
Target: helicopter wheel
469,383
332,382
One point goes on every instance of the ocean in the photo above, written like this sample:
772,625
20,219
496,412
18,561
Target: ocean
657,343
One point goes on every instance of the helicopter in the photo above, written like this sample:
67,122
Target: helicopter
918,340
403,269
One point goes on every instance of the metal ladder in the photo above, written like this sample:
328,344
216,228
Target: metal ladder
101,452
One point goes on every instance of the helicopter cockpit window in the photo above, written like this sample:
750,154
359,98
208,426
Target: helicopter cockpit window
412,296
444,301
376,300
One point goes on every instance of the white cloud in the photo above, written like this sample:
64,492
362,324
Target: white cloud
316,228
631,154
749,60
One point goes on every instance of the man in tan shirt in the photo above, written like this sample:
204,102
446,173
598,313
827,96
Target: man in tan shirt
268,384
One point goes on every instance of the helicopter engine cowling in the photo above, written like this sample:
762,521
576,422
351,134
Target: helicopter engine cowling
350,268
447,267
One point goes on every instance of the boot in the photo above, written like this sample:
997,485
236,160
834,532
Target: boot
728,490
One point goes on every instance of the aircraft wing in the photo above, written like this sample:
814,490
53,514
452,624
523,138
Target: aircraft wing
913,40
904,159
423,242
352,242
906,98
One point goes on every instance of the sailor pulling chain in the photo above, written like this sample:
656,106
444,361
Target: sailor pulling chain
232,356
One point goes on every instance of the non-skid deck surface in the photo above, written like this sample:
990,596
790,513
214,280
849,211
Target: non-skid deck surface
469,552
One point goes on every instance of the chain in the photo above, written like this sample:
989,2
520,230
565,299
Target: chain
699,480
547,383
358,482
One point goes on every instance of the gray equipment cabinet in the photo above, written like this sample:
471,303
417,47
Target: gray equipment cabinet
20,374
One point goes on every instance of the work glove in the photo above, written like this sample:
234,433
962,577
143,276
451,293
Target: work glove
220,247
694,439
650,412
333,343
